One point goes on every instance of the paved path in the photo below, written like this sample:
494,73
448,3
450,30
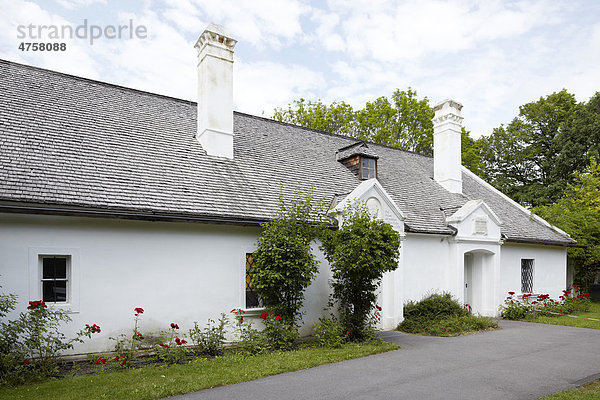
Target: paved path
519,361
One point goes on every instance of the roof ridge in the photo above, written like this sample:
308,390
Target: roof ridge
81,78
331,134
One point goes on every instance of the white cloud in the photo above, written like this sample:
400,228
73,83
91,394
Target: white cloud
74,4
259,87
395,31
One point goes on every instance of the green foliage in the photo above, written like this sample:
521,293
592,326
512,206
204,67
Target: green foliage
530,306
31,344
513,309
330,333
434,306
359,252
448,326
578,214
441,315
250,341
210,340
279,333
534,157
471,153
334,118
284,265
401,121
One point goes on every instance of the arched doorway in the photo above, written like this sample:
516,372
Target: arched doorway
478,281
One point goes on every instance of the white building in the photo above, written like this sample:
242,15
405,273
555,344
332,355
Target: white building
113,198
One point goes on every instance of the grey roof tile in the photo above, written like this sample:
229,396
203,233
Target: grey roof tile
70,141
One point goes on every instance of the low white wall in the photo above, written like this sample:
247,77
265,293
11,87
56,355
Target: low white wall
550,268
177,272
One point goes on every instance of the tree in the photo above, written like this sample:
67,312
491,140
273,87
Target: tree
533,158
359,252
578,213
334,118
284,265
471,153
404,121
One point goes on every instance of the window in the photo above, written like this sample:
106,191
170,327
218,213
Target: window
526,275
55,278
253,300
368,168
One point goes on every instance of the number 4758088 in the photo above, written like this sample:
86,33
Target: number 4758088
25,46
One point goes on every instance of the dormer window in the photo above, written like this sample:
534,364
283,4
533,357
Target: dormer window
368,168
359,159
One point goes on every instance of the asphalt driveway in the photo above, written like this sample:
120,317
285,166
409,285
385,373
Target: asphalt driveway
519,361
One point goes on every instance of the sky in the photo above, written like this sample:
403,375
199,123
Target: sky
491,56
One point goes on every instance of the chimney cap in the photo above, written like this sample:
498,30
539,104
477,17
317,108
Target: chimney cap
451,103
216,33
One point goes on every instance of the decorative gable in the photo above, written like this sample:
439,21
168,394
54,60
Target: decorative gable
377,201
476,220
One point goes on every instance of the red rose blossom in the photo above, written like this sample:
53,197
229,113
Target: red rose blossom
27,362
92,328
278,318
138,310
34,305
174,325
123,362
378,308
264,315
511,293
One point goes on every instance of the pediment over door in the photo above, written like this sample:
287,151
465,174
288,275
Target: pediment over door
476,221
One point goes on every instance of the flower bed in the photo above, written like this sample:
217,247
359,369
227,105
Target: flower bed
529,305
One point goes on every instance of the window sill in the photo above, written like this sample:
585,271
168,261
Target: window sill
254,312
69,308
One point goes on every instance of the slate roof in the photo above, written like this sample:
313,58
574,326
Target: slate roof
71,142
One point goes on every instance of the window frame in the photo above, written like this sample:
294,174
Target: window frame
246,308
532,274
368,169
67,278
36,257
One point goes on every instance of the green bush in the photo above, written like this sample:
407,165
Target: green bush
330,333
435,306
250,341
359,252
284,265
210,340
31,344
441,315
527,305
280,334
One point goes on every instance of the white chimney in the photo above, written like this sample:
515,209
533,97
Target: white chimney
447,124
215,91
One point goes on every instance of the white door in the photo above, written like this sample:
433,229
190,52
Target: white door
468,294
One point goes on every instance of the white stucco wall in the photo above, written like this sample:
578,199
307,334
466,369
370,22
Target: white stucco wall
425,266
550,271
177,272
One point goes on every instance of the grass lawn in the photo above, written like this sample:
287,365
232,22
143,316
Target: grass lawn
591,391
569,321
163,381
